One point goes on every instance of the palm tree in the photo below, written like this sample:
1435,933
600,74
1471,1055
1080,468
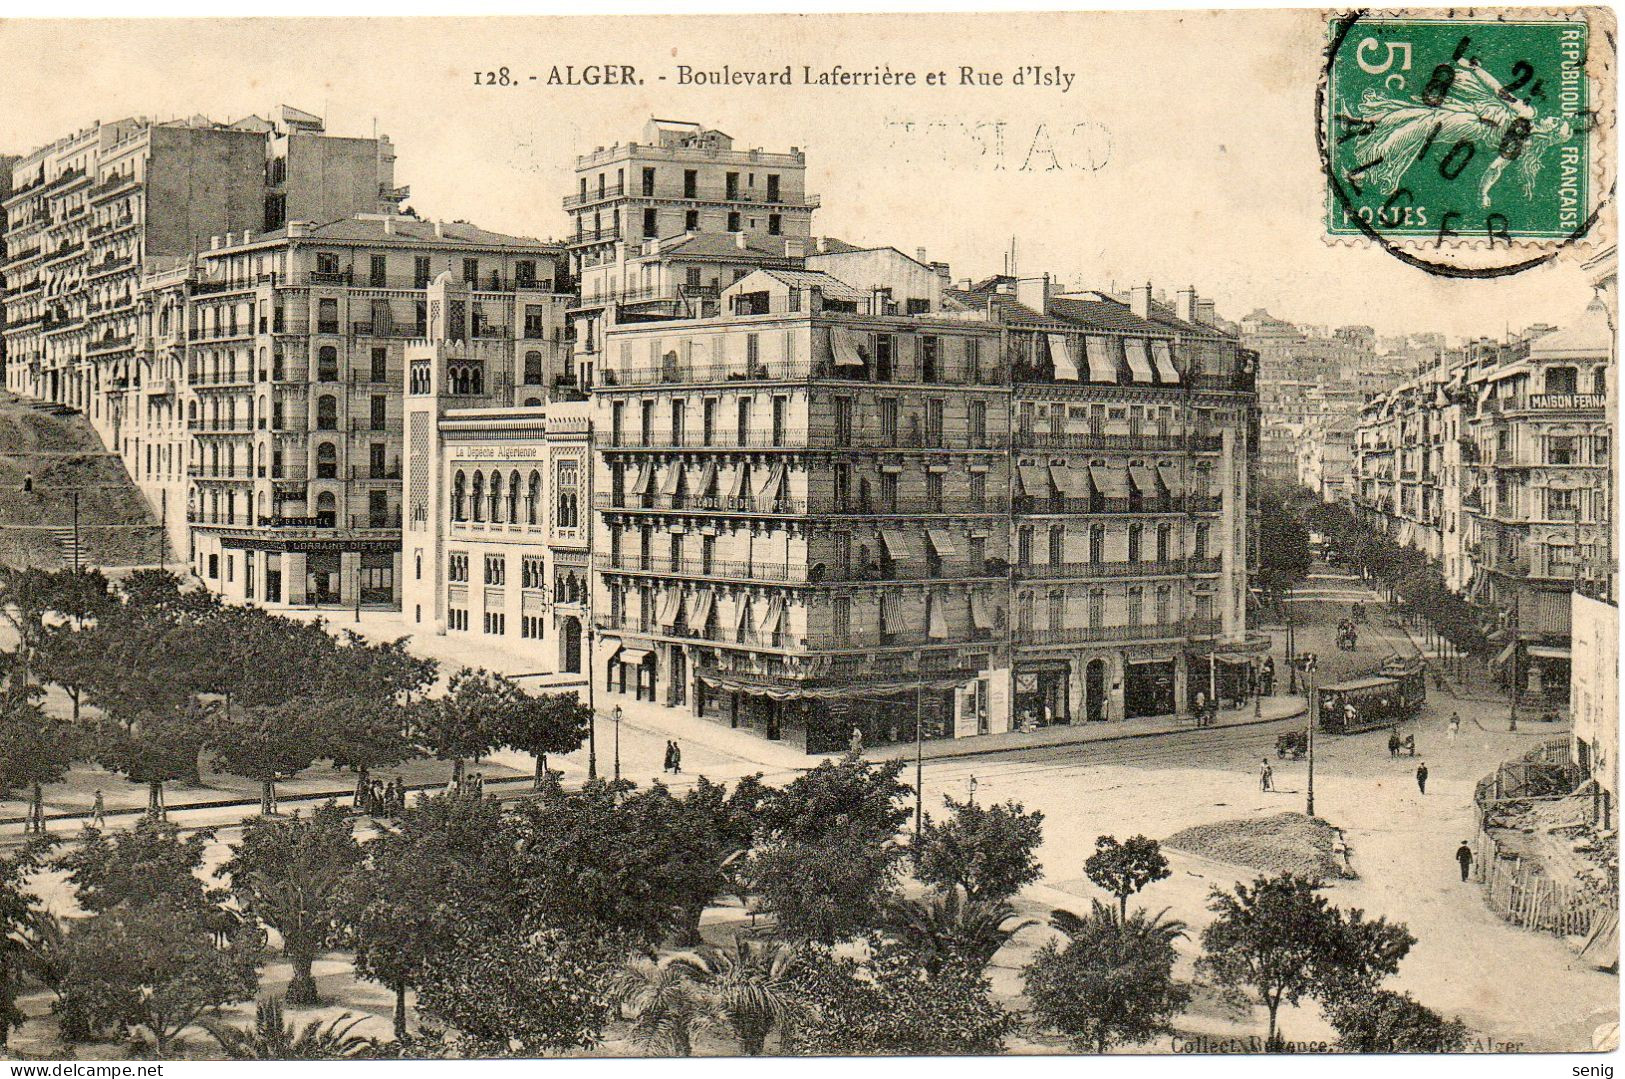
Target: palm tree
947,926
666,1006
271,1038
752,986
1154,928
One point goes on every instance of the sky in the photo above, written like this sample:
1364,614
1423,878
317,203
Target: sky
1182,153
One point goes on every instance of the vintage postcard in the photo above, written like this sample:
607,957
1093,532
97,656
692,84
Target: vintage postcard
1106,521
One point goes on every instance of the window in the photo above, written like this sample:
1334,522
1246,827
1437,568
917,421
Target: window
774,225
1164,605
1024,545
1097,606
1135,533
651,224
1204,606
378,412
731,185
648,182
457,567
933,422
327,413
1136,603
978,422
420,271
888,421
535,322
773,187
524,273
459,497
327,262
377,465
691,223
1201,541
533,368
841,623
929,353
327,364
380,365
744,421
457,618
496,623
933,490
327,316
780,406
471,272
532,572
691,183
1057,610
679,420
973,357
978,489
646,421
733,221
376,276
496,569
568,487
530,626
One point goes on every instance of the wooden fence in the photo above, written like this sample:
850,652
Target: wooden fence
1514,888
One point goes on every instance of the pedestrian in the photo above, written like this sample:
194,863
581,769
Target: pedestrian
1393,743
1422,777
28,483
1266,775
1455,725
854,744
676,758
1464,858
98,812
1201,709
671,752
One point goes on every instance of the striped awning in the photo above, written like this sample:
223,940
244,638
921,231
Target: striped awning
1143,481
1163,355
1138,363
981,612
846,347
1060,355
941,542
1102,367
936,620
702,609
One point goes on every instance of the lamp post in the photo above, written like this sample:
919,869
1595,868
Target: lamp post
919,766
1517,604
616,715
592,711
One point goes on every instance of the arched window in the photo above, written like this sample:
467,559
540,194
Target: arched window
326,510
262,505
513,498
533,497
496,497
191,413
327,413
459,497
532,402
327,461
479,496
533,368
262,457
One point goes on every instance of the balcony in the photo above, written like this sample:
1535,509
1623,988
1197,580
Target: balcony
801,439
331,277
1025,505
589,236
1133,443
592,195
823,506
1171,567
1151,631
805,372
801,574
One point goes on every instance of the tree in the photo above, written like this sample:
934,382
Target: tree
153,967
363,699
1124,868
447,875
522,993
1283,940
753,987
1112,982
986,850
538,725
293,875
1283,555
668,1008
1383,1021
273,1038
20,912
265,743
35,748
154,747
149,862
950,928
886,1003
454,727
26,597
827,854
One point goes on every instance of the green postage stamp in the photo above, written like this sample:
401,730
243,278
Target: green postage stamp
1458,130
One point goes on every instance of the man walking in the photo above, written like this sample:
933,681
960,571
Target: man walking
1464,857
1422,777
676,758
1455,725
1266,775
98,812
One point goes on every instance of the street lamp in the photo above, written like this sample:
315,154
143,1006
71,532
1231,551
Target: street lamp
1307,664
592,710
616,715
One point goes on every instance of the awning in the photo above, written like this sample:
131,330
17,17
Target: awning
981,615
774,615
1168,472
703,609
1034,480
673,480
1102,368
1138,363
1060,354
1109,481
611,645
741,617
936,618
769,490
708,479
846,347
634,656
941,542
640,482
1072,483
1547,651
901,546
670,604
1143,480
737,483
1163,355
1505,654
891,610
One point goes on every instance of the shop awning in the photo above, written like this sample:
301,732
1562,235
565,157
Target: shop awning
901,546
1138,363
1034,480
1071,482
891,610
702,610
670,604
1110,481
736,484
769,491
1168,472
846,347
1060,355
1102,368
981,612
941,542
634,656
611,645
1505,654
1547,651
708,479
1143,480
1163,355
673,481
936,618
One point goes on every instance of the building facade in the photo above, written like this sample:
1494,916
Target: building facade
295,376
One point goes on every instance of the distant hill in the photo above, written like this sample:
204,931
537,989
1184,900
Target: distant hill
58,448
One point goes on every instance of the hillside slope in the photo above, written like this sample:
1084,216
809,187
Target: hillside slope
57,447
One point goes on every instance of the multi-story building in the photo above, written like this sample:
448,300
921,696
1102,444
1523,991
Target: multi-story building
7,162
829,505
1326,456
295,372
497,525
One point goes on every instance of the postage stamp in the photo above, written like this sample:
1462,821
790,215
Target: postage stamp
1446,132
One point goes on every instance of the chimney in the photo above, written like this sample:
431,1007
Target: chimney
389,225
795,249
965,284
740,241
439,230
823,245
298,228
1185,304
1205,312
1139,300
1033,292
941,270
919,254
214,243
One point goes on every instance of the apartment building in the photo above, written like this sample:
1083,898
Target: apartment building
498,502
295,359
1325,457
1498,466
7,163
827,506
87,211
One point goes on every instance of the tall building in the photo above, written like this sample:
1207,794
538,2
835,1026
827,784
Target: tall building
7,162
858,497
89,213
295,372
